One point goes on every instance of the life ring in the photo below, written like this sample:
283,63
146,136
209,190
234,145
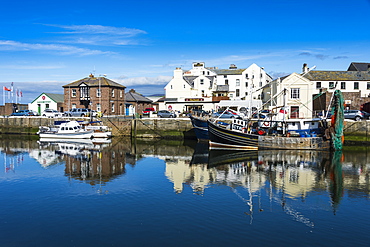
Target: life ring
265,123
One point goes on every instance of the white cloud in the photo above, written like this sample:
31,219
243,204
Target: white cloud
98,29
99,35
159,80
9,45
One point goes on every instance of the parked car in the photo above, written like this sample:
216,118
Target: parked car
323,114
23,113
51,113
356,115
148,110
166,114
226,114
200,113
79,112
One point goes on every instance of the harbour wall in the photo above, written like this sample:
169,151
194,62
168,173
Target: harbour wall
171,128
178,128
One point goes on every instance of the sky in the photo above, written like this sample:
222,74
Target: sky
47,44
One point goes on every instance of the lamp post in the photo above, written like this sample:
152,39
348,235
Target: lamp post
100,95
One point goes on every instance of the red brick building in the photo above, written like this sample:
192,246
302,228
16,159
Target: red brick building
96,93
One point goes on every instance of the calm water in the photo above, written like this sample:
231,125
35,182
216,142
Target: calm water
175,194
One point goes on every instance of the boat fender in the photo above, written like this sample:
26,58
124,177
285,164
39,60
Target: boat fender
327,134
261,132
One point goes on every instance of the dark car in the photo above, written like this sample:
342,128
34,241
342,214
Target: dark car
356,115
200,113
166,114
323,114
226,114
23,113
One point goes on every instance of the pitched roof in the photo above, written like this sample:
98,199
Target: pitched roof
315,75
135,97
228,71
92,81
222,88
58,98
359,67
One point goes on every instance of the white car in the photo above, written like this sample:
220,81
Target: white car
51,113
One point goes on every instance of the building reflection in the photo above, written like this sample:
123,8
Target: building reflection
294,174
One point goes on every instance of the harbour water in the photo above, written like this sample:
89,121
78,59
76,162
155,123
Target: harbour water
124,193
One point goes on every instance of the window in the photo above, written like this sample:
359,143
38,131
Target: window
246,84
112,93
226,82
237,82
225,76
74,106
355,85
120,93
331,85
246,76
202,93
171,86
113,107
74,92
98,92
98,107
294,93
201,81
47,106
84,92
318,84
260,83
368,85
343,85
237,92
184,85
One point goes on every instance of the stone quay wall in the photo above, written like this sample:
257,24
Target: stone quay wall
178,128
171,128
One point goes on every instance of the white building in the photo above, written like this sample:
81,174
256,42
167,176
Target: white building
302,90
47,101
203,87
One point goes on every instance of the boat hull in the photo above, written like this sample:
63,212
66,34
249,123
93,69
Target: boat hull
223,138
200,127
75,135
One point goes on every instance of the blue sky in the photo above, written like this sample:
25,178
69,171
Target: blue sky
47,44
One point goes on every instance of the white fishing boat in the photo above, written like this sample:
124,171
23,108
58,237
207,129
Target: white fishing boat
66,130
100,130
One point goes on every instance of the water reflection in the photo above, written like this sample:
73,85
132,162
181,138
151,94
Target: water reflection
290,174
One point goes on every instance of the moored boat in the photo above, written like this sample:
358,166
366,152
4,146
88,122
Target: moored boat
200,126
295,134
66,130
100,130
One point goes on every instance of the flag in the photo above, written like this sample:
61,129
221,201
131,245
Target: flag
282,110
20,93
7,89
